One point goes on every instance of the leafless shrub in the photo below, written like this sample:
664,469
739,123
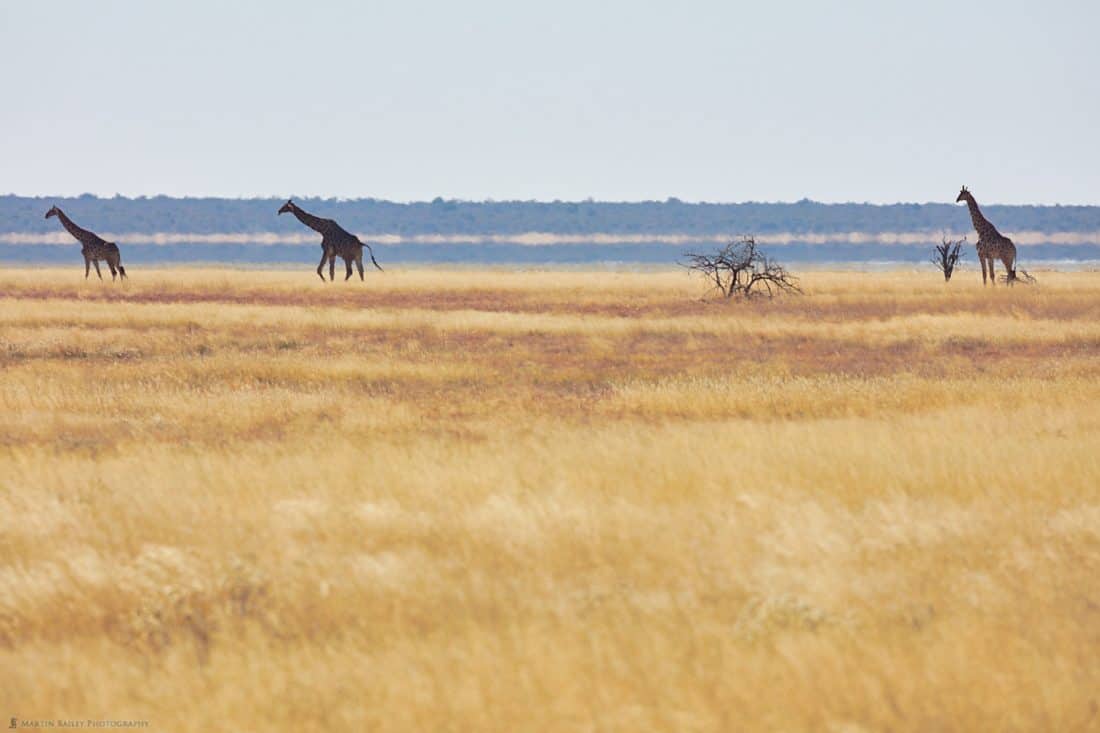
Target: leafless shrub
740,269
1022,277
947,254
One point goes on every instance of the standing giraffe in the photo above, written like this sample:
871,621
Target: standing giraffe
94,249
335,242
992,245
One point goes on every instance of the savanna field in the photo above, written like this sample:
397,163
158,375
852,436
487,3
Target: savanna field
475,500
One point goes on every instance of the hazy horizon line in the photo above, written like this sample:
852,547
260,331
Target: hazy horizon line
535,238
491,200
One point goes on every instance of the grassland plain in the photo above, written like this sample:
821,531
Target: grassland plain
501,500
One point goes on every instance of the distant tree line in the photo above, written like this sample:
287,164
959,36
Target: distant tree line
376,216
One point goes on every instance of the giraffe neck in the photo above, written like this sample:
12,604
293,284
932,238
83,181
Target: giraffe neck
981,224
82,234
313,222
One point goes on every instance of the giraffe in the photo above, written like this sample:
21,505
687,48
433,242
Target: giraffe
992,245
94,248
335,242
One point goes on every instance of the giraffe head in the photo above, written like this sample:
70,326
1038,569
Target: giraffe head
287,207
963,195
52,212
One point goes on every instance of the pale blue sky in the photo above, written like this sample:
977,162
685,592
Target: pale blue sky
714,101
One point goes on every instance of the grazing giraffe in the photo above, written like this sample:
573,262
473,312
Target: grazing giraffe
94,248
992,245
335,242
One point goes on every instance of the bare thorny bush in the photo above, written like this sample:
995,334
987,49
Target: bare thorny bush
740,268
1022,277
947,255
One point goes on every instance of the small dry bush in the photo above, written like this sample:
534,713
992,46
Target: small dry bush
741,269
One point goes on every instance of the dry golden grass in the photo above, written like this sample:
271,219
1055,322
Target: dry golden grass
501,500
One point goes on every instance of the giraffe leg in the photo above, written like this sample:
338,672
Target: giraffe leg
96,263
347,266
359,264
332,266
116,267
321,266
992,274
114,272
87,267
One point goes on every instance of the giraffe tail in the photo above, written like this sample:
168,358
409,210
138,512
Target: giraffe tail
374,261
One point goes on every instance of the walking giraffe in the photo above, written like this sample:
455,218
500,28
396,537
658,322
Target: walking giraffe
992,245
335,242
94,249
